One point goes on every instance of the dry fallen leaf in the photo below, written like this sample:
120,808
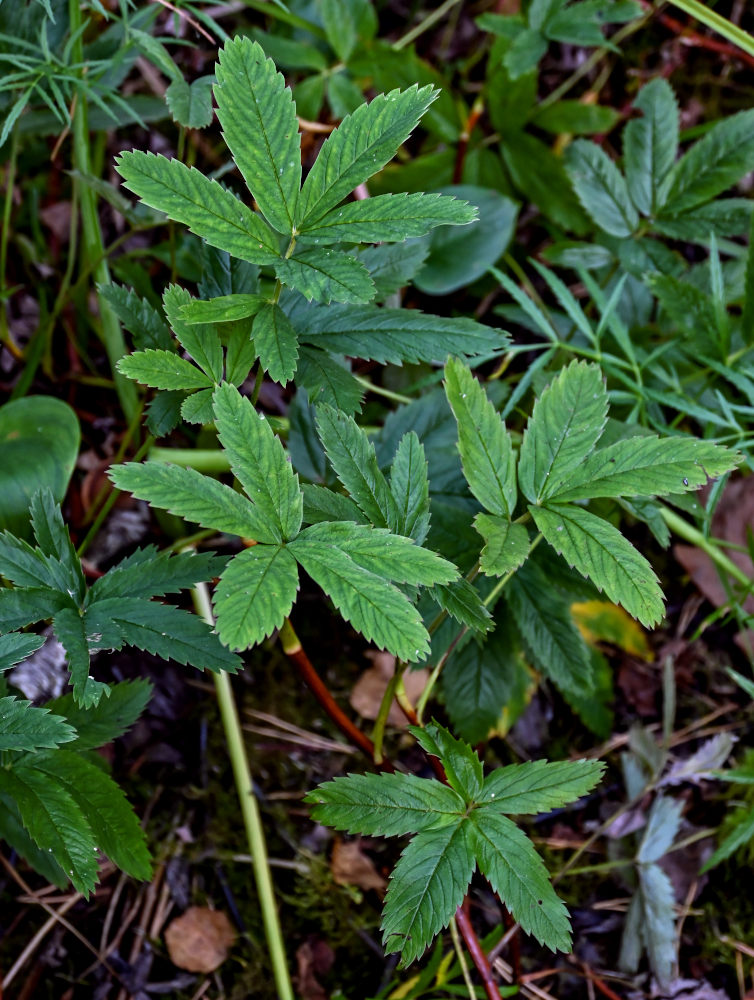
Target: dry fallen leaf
369,689
199,940
350,866
313,958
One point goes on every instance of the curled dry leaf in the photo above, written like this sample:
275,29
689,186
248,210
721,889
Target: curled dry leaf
350,866
200,939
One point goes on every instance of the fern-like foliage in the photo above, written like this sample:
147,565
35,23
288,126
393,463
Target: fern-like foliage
456,828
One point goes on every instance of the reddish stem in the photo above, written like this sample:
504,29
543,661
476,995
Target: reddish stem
319,689
476,951
690,37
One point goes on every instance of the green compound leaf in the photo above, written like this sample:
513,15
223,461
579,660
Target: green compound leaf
259,462
221,308
548,631
506,545
483,441
147,573
254,595
208,209
361,146
600,552
115,826
463,603
54,822
201,342
461,764
647,466
328,379
392,336
389,218
276,342
565,425
198,498
713,164
385,805
258,116
54,541
139,317
163,370
427,886
393,557
191,103
108,720
410,488
601,188
25,606
517,874
326,276
650,144
539,785
164,631
70,629
373,606
354,461
16,647
24,727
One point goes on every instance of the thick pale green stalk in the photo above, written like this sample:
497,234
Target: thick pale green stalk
92,244
718,23
250,812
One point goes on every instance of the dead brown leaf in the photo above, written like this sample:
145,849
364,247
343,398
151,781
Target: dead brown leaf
350,866
369,689
313,958
200,939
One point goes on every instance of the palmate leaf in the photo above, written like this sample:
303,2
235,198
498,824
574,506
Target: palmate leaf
713,164
16,647
650,144
393,266
54,822
601,188
517,874
321,504
254,595
54,540
139,317
71,631
326,276
116,829
276,342
197,408
361,146
165,631
647,466
163,370
565,425
148,573
600,552
258,116
328,379
259,462
198,498
221,308
26,566
549,634
389,218
373,606
461,764
483,441
108,720
539,785
410,488
208,209
24,727
201,342
25,606
463,603
354,461
392,336
13,832
427,886
393,557
506,545
385,805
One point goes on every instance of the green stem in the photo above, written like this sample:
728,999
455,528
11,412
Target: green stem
378,733
249,811
695,537
201,459
718,23
10,179
424,24
461,958
378,390
92,242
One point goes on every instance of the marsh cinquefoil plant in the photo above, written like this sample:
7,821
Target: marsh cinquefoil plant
294,289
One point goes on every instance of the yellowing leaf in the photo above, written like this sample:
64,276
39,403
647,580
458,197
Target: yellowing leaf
601,621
